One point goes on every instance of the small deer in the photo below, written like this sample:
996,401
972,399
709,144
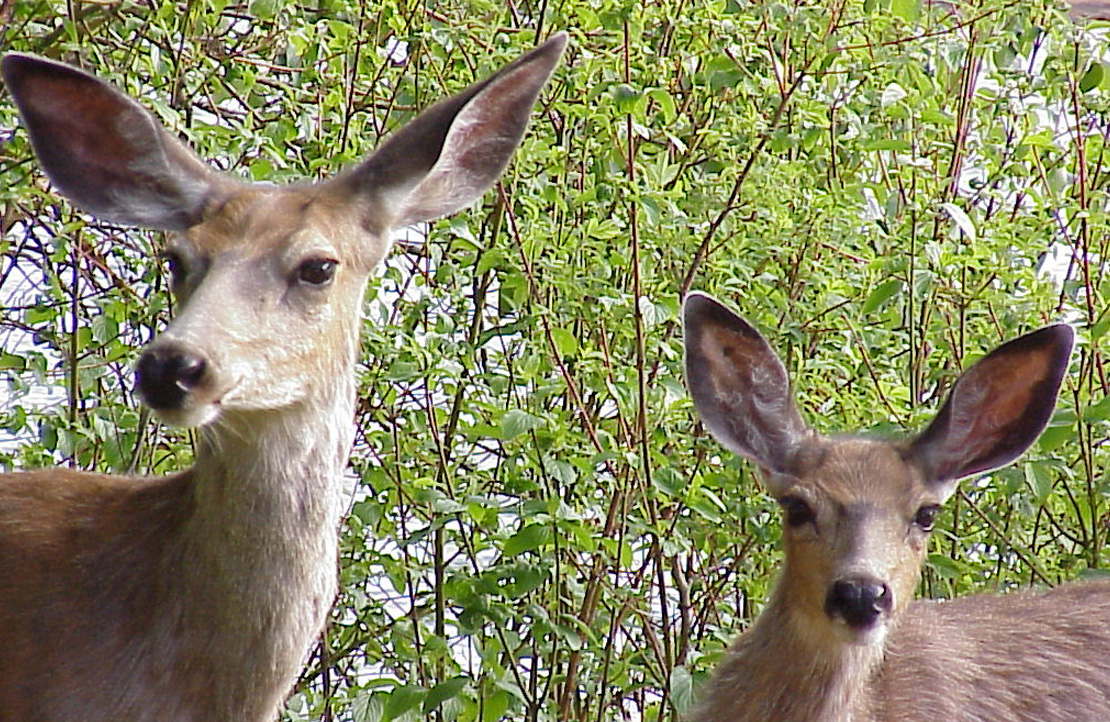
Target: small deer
841,640
195,597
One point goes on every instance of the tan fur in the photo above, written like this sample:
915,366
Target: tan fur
853,521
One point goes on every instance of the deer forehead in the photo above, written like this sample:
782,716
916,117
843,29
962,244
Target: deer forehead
278,223
860,475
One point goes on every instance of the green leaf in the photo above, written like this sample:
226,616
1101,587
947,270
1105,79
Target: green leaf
401,700
881,294
527,539
495,705
1039,481
1099,411
886,144
1092,78
443,692
402,371
666,103
517,421
1098,330
368,707
508,329
1055,436
909,10
565,342
520,579
625,97
945,567
12,362
667,481
265,9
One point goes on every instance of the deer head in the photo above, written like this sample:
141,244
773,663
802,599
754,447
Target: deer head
858,512
269,278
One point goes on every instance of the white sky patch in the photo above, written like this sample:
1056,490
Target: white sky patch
395,50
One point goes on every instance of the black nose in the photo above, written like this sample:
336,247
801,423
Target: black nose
167,374
859,601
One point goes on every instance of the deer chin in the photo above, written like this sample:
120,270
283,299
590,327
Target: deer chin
192,416
199,409
870,635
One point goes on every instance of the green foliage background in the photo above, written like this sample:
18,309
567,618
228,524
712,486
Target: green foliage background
541,530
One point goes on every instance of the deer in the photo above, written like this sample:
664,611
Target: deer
841,639
196,597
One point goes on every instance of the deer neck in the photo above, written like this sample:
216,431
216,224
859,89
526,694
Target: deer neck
790,669
276,476
251,577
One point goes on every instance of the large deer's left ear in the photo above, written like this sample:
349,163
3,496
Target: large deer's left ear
449,155
740,388
104,151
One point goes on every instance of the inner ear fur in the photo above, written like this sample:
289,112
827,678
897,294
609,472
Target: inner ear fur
104,151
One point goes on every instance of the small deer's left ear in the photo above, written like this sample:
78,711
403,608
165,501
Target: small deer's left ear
997,408
740,388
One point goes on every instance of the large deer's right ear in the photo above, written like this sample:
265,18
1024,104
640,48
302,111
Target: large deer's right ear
448,156
104,151
997,408
740,388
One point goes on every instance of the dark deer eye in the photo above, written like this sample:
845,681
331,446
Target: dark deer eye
317,271
797,511
926,516
175,265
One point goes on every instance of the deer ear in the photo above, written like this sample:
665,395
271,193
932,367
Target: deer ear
997,408
449,155
104,151
739,386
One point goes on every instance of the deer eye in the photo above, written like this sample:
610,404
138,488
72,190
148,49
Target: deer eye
797,511
926,516
317,272
175,265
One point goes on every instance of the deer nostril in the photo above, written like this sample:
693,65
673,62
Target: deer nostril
166,375
859,601
188,370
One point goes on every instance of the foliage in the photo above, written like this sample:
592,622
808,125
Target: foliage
541,530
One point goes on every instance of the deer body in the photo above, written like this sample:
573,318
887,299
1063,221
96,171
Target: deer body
840,639
195,597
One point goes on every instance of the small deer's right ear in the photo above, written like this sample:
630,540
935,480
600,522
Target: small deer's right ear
740,388
104,151
997,408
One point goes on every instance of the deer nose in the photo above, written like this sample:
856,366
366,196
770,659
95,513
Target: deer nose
859,601
167,374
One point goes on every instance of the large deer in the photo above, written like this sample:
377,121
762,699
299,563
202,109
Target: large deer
195,597
840,640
